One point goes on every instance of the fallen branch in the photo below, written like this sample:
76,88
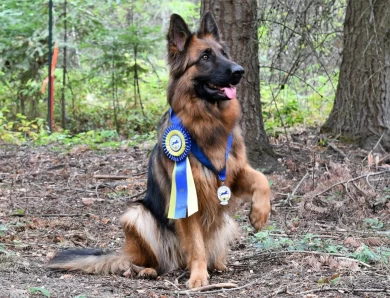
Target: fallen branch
350,180
137,195
98,176
305,252
333,146
342,290
225,286
384,159
7,155
59,215
179,277
117,177
283,290
299,184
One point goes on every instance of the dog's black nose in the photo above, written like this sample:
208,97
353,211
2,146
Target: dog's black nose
237,71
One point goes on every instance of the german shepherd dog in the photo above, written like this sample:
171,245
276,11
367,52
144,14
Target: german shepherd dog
201,92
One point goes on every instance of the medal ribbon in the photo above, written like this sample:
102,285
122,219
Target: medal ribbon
199,154
183,198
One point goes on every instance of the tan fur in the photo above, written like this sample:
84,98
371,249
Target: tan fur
112,263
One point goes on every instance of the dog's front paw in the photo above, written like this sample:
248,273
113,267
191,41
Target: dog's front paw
148,273
259,215
197,280
219,266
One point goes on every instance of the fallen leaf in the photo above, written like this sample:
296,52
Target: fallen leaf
373,241
66,276
88,201
105,220
50,255
370,160
352,242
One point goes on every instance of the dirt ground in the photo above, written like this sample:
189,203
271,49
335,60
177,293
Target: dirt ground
51,198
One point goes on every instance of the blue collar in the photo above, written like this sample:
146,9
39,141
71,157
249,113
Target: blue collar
199,154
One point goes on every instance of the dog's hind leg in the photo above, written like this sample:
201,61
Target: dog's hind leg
151,248
137,224
253,184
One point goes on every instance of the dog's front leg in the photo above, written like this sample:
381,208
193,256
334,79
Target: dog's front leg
253,184
192,242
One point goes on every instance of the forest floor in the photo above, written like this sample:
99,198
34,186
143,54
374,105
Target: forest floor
328,235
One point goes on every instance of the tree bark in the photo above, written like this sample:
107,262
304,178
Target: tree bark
237,21
63,107
361,110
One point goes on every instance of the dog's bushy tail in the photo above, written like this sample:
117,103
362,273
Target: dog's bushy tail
90,261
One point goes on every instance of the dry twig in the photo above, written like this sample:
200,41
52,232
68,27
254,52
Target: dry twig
333,146
119,177
350,180
254,256
383,290
136,195
205,289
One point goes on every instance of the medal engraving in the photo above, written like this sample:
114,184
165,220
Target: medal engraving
224,193
175,143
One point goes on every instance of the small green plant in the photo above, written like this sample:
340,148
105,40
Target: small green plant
311,242
308,242
43,291
3,229
3,250
366,255
374,223
21,129
18,212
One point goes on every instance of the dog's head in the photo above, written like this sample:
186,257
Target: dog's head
202,60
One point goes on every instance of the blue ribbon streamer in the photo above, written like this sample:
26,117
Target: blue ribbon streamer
181,189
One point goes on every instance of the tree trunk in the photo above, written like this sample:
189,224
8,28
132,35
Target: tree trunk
63,111
237,21
361,110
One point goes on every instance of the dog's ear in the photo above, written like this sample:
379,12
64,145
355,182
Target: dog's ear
208,26
178,32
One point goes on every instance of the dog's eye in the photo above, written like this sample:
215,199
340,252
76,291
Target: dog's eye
205,57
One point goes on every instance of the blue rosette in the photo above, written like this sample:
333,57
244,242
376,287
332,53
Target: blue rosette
176,142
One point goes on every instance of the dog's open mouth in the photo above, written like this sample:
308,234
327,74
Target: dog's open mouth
229,92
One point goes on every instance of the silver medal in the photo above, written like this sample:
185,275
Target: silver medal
224,193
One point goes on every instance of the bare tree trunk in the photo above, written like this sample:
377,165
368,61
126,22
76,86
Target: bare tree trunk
361,110
63,111
237,21
114,94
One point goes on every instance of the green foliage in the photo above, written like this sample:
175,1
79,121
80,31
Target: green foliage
367,255
311,242
117,74
19,130
293,106
93,139
374,223
298,52
40,290
3,228
112,64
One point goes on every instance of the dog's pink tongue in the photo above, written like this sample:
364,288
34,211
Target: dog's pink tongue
230,92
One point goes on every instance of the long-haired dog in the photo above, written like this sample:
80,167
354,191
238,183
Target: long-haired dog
202,96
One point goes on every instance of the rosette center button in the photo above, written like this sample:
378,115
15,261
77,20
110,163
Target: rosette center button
175,143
